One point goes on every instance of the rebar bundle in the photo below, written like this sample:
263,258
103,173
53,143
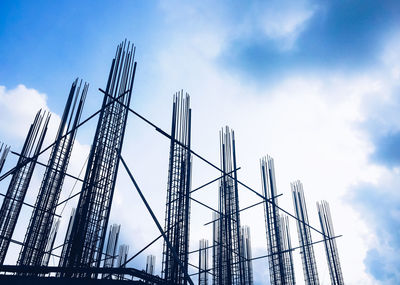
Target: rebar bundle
203,262
4,150
246,251
20,180
38,231
305,241
112,245
287,253
279,269
85,245
332,255
178,192
228,258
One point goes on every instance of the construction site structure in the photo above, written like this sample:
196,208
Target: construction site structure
280,268
150,264
50,242
39,228
228,257
288,252
332,254
246,251
85,244
178,193
122,258
305,241
21,177
203,262
111,249
4,150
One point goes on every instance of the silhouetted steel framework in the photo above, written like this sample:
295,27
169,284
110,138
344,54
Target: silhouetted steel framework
332,255
203,262
50,242
287,254
246,251
178,192
4,150
228,258
20,180
111,246
279,269
123,251
84,247
38,231
307,249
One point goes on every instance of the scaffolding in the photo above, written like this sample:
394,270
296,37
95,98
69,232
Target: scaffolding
228,259
178,192
20,180
305,241
279,269
332,255
38,231
84,248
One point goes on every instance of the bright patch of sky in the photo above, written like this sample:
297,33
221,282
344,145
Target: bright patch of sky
314,84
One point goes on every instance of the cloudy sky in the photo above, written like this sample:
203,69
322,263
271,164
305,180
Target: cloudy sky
314,84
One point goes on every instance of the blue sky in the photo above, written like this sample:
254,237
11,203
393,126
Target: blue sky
313,83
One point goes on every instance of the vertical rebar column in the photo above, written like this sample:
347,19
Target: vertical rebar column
246,251
203,262
50,242
150,264
215,248
178,192
123,251
20,180
332,255
86,242
38,231
287,251
4,150
111,246
228,258
305,241
276,259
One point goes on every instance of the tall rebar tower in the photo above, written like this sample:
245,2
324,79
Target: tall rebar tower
246,250
150,264
4,150
123,251
228,258
50,242
203,262
112,245
178,192
38,231
20,180
332,255
84,248
279,269
287,254
305,241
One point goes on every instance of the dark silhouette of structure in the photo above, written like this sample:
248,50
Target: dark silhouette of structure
307,249
332,255
228,259
178,192
246,250
85,245
20,180
203,262
86,257
280,266
38,232
4,150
